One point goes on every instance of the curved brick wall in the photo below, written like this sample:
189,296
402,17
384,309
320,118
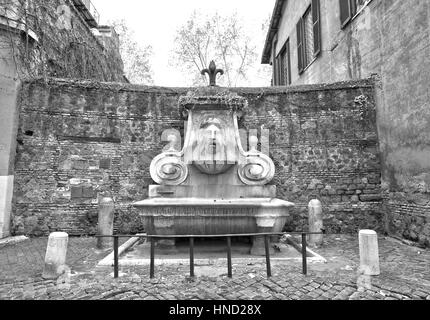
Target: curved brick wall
78,141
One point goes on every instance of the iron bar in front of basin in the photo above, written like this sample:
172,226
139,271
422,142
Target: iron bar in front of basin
304,259
267,249
229,268
152,263
191,257
191,237
115,257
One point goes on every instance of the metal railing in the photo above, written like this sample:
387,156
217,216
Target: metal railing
228,237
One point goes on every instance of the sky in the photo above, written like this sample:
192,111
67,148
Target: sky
154,23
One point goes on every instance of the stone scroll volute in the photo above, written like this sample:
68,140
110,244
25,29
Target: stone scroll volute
255,168
168,167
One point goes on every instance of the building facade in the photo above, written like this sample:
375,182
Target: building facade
46,38
321,41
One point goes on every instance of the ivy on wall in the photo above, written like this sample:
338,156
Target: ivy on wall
49,38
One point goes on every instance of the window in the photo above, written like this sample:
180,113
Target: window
275,64
349,8
309,36
283,66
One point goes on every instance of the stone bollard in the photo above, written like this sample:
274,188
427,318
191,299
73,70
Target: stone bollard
315,222
369,253
55,258
105,223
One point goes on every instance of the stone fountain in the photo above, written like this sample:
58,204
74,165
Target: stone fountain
211,185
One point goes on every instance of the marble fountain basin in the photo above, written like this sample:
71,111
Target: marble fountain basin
201,216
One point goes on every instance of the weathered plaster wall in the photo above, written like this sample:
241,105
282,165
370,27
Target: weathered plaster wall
82,140
404,118
390,38
8,127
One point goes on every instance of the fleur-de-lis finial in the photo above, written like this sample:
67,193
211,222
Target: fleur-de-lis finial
212,72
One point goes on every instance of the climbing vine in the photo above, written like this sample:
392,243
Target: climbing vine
48,38
212,95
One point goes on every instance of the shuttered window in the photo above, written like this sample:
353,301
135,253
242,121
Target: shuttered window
282,74
283,59
281,68
275,65
316,21
345,12
309,36
300,46
287,63
349,8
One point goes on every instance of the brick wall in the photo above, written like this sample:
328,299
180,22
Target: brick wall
78,141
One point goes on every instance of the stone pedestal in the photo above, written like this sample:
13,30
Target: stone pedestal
369,253
55,258
315,222
165,225
105,223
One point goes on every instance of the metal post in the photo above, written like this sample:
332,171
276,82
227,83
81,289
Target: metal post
266,244
230,274
115,257
304,259
151,268
191,257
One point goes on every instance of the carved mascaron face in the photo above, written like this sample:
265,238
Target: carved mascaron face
211,138
210,147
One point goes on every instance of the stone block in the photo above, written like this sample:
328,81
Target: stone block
88,192
315,222
345,198
127,162
105,222
80,164
369,253
105,164
370,197
56,252
76,192
332,192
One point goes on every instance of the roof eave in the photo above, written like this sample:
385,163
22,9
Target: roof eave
273,29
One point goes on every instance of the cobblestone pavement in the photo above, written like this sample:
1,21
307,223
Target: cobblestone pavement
405,274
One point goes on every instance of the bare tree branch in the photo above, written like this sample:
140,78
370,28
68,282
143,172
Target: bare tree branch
215,38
